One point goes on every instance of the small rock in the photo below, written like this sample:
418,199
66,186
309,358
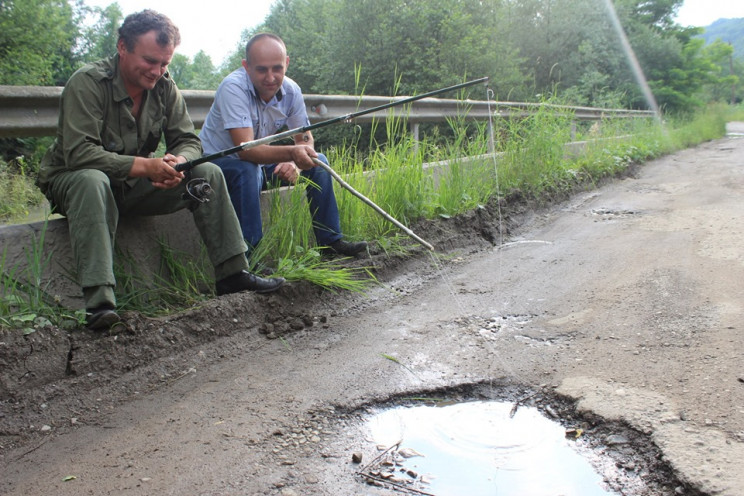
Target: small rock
45,428
356,457
551,413
615,439
409,453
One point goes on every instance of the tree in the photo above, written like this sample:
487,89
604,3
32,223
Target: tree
391,47
101,38
722,86
37,42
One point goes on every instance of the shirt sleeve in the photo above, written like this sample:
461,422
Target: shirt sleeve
297,113
236,107
180,136
85,145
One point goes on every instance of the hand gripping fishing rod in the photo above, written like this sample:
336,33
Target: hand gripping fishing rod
343,118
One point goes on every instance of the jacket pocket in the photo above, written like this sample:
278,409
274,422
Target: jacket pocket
112,142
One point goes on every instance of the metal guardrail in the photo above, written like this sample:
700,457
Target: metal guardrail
28,111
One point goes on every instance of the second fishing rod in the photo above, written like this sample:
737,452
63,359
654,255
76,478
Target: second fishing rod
185,166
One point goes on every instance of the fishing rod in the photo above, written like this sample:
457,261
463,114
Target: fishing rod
372,204
186,166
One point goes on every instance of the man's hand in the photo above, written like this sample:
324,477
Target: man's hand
287,171
160,171
303,155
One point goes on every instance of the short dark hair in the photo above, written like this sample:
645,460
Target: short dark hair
143,22
257,37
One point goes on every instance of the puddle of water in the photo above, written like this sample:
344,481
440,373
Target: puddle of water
479,448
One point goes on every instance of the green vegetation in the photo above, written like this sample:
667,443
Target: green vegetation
24,301
17,190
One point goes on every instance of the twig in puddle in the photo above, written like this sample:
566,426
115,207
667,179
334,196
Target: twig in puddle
520,402
362,472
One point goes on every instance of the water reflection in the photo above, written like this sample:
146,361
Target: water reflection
476,448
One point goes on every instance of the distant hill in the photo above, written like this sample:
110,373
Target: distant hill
729,31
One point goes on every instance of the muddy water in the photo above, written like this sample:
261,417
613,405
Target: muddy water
483,448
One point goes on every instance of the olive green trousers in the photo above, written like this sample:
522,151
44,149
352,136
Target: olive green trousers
92,207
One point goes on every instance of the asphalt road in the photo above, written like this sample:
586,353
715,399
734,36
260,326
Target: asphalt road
627,298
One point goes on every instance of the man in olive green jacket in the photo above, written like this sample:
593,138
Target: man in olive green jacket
113,114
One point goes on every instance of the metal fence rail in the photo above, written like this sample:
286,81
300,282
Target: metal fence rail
29,111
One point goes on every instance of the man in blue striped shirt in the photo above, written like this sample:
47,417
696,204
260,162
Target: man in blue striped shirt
256,101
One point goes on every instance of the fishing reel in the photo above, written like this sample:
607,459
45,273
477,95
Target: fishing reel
198,190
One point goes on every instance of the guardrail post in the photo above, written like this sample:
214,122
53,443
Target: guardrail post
491,141
415,134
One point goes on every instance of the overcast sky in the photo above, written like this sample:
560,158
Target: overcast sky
215,25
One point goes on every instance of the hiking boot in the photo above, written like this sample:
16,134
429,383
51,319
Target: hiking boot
245,281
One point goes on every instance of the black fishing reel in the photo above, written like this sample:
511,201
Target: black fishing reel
197,189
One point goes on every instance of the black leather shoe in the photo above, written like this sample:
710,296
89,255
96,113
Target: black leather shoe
101,318
342,247
245,281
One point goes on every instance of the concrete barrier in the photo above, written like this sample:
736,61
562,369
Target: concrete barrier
137,239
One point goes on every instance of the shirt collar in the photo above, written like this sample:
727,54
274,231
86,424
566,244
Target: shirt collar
252,89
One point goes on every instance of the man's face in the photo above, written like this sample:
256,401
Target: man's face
267,67
146,63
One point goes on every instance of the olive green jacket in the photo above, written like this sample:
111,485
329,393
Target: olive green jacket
97,130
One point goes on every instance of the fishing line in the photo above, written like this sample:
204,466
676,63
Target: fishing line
495,313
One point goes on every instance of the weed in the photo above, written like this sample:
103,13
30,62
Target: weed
17,190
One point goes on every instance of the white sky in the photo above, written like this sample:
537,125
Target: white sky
705,12
212,25
215,25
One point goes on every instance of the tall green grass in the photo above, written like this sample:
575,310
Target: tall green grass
24,300
17,190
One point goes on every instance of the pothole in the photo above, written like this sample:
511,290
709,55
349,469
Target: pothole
482,448
526,443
